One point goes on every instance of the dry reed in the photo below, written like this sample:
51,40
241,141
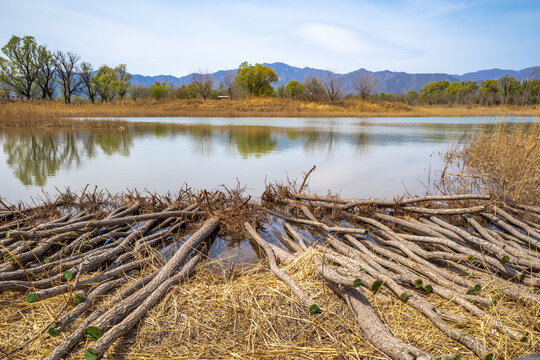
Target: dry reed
504,162
250,314
59,114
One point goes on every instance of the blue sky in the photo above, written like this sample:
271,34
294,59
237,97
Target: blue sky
180,37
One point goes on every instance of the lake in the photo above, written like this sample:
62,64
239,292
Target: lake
364,158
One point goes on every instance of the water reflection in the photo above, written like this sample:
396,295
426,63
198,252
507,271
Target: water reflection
359,158
34,155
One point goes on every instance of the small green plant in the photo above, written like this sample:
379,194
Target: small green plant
68,275
376,285
47,260
418,283
489,357
428,288
505,258
93,333
477,287
404,297
31,297
7,234
470,259
357,283
90,354
79,297
314,309
54,331
524,339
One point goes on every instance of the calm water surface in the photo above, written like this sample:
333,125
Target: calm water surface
374,157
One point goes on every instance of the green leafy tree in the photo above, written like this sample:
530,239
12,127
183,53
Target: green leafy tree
122,80
433,92
136,91
508,86
159,90
20,69
105,80
488,91
460,90
313,89
46,76
412,97
257,79
294,89
281,91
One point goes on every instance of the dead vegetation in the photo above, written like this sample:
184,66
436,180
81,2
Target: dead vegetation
20,114
407,278
504,162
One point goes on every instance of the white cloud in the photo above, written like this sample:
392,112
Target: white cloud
337,39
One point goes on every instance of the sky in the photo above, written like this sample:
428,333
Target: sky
180,37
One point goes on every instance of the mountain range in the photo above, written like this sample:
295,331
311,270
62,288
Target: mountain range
387,81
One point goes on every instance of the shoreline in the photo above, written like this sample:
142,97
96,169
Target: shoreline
51,113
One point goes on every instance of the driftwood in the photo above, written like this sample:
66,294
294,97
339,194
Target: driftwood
451,247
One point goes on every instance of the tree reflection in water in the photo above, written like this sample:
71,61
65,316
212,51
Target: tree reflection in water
35,155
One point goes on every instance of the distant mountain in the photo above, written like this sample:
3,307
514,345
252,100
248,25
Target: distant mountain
387,81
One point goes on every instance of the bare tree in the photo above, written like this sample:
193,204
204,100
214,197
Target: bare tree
202,82
332,86
364,84
67,70
229,84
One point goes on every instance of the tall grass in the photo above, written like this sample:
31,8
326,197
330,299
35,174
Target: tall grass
504,162
58,114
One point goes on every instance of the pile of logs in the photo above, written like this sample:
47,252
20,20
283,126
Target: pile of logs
448,246
413,248
85,256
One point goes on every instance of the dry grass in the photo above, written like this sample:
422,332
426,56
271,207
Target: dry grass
250,314
55,114
504,162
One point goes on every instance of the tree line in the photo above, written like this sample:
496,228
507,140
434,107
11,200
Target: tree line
29,70
505,90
